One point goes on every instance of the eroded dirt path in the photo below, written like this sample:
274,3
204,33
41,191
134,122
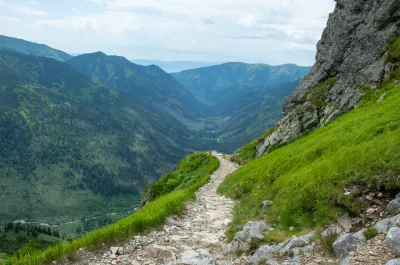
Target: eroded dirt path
195,237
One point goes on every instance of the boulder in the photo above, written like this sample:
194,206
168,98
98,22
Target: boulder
359,236
384,225
344,244
345,222
393,262
393,240
394,206
264,252
251,232
294,242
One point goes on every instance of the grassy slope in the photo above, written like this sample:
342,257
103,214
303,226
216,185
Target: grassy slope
197,169
305,179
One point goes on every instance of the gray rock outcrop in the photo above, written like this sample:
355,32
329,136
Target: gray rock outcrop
263,253
251,232
349,56
344,244
293,243
394,206
384,225
393,240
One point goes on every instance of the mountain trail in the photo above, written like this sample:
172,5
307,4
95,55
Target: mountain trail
197,236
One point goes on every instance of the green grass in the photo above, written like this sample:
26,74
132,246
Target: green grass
393,49
151,215
370,233
247,153
306,178
318,94
330,238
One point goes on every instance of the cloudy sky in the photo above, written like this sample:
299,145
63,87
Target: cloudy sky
266,31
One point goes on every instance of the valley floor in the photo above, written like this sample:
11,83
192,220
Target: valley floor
195,237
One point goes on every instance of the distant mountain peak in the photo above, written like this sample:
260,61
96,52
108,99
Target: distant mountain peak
31,48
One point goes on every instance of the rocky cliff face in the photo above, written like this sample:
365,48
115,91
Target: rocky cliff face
350,55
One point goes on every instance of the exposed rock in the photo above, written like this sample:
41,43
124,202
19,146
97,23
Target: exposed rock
332,230
301,250
266,204
384,225
294,242
393,240
394,206
344,244
360,235
114,250
349,56
263,253
160,252
307,237
393,262
251,232
345,222
345,261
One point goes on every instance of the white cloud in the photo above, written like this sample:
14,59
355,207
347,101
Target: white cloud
10,19
272,31
23,9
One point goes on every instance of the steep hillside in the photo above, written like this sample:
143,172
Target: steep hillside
209,84
72,147
351,55
306,177
175,66
245,111
151,85
30,48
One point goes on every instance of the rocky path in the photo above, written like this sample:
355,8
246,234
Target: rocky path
195,237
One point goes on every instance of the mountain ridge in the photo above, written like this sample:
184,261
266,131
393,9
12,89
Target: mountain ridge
31,48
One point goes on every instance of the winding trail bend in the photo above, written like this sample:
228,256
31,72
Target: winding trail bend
196,237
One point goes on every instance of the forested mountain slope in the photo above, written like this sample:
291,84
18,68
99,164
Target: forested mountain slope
149,84
210,84
30,48
72,146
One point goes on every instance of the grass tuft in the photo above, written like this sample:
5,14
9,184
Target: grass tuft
370,233
329,239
